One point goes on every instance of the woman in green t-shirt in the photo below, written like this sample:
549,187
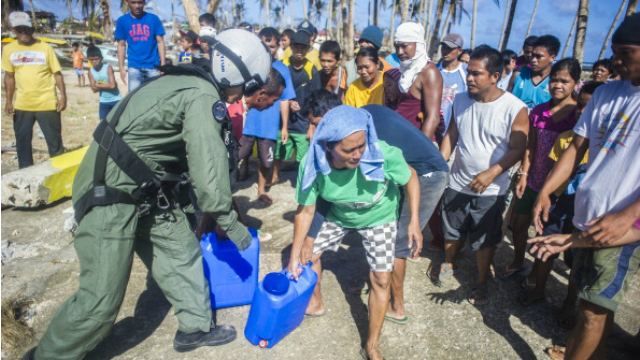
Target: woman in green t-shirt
359,176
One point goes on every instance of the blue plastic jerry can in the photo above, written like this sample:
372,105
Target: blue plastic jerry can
232,274
278,306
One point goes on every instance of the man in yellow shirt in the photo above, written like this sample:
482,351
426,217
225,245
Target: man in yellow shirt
31,67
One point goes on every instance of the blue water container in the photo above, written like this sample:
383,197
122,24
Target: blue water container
232,274
278,306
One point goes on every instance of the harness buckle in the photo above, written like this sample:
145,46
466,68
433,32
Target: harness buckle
162,201
144,209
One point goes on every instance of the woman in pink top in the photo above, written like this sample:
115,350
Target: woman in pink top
547,121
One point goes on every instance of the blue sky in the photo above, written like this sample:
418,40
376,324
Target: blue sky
553,17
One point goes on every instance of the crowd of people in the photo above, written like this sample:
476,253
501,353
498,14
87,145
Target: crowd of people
387,145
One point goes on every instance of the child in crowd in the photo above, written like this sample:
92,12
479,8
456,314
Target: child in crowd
547,121
509,59
190,45
333,75
285,42
367,89
559,221
102,80
78,61
603,70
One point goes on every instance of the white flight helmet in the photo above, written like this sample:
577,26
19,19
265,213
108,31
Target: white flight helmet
238,57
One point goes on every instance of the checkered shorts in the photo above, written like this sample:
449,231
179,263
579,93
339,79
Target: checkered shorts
379,242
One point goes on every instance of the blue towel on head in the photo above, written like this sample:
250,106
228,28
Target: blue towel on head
337,124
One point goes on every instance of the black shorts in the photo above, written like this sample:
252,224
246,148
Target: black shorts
266,148
477,217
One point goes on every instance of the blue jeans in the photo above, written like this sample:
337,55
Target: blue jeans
104,108
139,76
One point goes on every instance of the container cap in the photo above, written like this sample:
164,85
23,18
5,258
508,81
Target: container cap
276,283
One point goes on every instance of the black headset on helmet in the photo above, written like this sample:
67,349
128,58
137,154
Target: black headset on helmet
251,82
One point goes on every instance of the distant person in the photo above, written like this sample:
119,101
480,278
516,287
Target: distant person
547,122
333,75
285,42
312,54
142,34
78,62
267,126
32,68
527,51
306,79
371,37
190,45
488,133
102,80
416,87
464,56
509,65
454,76
367,89
603,70
207,33
531,84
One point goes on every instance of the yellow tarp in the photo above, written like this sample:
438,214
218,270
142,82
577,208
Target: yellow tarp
61,183
95,35
41,38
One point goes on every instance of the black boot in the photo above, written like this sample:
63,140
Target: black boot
218,335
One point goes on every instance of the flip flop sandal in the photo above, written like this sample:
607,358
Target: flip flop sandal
316,314
555,352
400,321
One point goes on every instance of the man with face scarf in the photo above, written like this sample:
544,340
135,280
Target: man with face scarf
415,89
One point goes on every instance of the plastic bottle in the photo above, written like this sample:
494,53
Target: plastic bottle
278,306
232,274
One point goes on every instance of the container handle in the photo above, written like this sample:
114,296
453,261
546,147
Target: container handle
288,274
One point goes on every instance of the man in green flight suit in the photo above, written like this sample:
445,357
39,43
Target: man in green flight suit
171,126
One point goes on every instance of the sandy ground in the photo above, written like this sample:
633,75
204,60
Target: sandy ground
40,270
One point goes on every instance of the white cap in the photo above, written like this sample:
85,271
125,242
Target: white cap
19,18
207,31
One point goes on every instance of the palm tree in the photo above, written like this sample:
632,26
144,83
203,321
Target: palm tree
404,10
426,20
33,15
533,16
329,23
507,31
631,8
212,6
581,32
392,22
435,36
507,6
107,23
266,9
192,12
566,43
611,28
474,16
348,50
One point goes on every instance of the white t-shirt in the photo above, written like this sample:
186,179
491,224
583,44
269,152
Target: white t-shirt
611,122
484,130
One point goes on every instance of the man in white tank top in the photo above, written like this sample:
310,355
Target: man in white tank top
488,131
